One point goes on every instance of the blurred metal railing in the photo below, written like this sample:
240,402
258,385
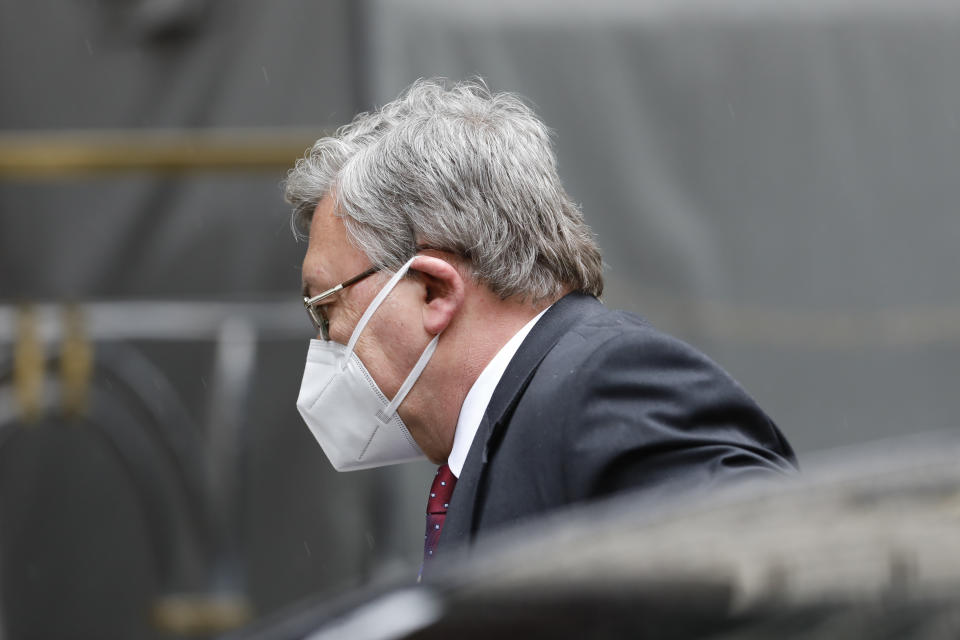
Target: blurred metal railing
163,320
174,464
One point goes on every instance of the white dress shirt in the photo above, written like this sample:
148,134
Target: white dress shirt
475,404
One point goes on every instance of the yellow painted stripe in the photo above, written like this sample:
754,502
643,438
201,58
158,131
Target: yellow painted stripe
68,153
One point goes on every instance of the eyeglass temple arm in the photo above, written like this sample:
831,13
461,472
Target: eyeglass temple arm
320,296
356,279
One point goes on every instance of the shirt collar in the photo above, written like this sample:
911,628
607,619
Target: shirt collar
475,404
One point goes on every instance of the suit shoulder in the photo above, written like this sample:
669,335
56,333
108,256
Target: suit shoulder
609,336
615,373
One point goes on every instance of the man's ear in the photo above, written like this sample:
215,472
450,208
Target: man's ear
443,291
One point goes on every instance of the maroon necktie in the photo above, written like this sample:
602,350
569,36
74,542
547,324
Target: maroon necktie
437,504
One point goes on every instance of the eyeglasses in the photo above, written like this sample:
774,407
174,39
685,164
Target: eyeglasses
315,309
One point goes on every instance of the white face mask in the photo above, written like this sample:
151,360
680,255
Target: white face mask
355,424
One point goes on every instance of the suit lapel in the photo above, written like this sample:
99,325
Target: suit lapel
459,525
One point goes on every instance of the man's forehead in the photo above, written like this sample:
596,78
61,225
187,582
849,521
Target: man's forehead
324,219
330,256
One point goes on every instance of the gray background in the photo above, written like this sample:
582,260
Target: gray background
774,182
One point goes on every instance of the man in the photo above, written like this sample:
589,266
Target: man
453,285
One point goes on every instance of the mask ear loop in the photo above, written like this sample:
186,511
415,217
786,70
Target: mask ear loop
365,318
386,414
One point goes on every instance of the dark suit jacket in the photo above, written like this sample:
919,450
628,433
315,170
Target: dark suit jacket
598,401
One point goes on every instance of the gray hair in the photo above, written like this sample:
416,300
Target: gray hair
458,169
